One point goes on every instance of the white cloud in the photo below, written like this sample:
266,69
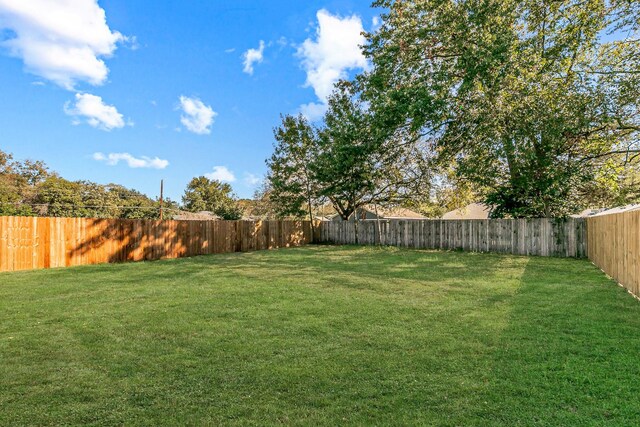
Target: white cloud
253,56
282,42
197,116
335,51
222,174
313,111
132,42
95,112
113,159
251,180
63,41
375,21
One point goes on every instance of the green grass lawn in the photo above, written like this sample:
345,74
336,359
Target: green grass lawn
320,336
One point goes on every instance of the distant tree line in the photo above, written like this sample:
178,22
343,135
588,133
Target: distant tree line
29,188
528,106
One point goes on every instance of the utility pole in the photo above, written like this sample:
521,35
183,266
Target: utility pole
161,194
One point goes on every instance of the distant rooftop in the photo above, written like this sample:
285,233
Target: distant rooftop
196,216
472,211
619,209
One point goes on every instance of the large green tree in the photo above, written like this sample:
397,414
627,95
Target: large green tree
293,190
359,163
204,194
533,100
348,159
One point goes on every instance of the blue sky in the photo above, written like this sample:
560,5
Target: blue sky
132,92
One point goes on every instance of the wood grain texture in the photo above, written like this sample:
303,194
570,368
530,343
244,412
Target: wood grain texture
543,237
614,246
32,243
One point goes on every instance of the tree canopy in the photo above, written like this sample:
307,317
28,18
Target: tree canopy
528,105
292,186
360,163
534,101
204,194
347,160
29,188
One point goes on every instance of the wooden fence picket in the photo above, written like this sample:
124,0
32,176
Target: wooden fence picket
544,237
31,243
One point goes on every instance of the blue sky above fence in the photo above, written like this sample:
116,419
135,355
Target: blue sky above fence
134,92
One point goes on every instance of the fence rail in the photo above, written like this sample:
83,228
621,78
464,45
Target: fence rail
614,246
30,243
545,237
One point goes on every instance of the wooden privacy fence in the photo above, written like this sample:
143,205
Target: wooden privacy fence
30,243
614,246
545,237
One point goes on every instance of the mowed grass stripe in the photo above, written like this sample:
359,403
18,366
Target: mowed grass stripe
320,336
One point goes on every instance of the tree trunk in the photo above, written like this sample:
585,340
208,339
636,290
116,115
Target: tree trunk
378,225
313,227
355,222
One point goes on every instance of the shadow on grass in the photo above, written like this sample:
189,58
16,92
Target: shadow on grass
334,262
569,355
340,266
326,335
